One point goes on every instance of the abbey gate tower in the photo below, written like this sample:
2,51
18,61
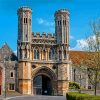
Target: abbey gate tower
43,58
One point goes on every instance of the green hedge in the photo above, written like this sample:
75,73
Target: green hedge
81,96
74,85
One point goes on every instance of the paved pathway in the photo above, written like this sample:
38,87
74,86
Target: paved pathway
39,98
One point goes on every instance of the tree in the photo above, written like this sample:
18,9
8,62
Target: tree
92,59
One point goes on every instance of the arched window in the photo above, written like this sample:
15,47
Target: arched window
53,52
50,55
25,54
24,21
63,22
44,54
20,53
30,21
64,54
26,37
58,23
36,54
12,74
59,54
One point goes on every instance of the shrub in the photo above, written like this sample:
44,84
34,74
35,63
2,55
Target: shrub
81,96
74,85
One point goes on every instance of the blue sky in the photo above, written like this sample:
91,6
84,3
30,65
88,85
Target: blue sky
82,12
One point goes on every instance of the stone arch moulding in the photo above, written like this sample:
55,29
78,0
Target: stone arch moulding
47,72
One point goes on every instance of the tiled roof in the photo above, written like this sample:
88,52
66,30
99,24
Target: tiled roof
90,59
6,52
77,57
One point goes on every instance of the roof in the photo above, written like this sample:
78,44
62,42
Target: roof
77,57
6,52
90,59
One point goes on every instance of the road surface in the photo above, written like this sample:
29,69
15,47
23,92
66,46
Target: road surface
38,98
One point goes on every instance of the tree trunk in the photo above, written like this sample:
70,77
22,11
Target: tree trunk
95,88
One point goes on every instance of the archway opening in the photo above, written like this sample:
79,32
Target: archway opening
42,85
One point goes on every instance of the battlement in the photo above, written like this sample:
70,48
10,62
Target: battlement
43,35
62,11
24,8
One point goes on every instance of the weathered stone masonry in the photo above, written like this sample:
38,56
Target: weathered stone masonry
43,56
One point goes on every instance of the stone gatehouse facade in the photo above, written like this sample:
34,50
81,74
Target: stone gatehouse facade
43,59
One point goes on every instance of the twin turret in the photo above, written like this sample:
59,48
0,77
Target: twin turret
61,36
25,25
62,26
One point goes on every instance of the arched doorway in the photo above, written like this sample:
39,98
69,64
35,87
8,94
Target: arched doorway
44,81
42,85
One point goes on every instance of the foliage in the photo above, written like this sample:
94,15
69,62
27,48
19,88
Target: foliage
93,58
74,85
81,96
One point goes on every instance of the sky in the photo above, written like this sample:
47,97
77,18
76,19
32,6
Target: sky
82,12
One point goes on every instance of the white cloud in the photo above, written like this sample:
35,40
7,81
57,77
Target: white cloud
80,45
71,37
44,22
83,43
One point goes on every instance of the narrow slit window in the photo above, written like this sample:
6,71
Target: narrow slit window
26,20
65,22
60,22
11,74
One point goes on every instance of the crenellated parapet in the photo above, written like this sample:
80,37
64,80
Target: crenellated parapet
44,38
43,35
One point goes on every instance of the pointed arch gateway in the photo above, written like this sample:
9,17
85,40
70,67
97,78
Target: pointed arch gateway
44,81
